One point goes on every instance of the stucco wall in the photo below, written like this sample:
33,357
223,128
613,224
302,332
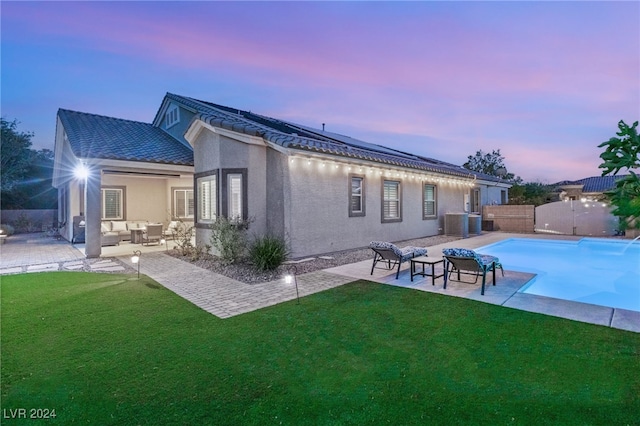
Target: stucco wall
319,222
493,195
213,151
275,185
146,198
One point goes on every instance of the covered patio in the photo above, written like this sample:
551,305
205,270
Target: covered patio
107,184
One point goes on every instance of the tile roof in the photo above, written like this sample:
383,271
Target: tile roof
97,136
594,183
294,136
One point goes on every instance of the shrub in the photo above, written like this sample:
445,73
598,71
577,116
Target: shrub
229,237
199,252
182,237
268,252
7,229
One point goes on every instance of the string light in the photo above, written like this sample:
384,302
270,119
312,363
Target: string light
391,173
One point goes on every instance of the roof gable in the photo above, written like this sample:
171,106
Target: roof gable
97,136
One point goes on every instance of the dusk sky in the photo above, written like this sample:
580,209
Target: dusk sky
544,82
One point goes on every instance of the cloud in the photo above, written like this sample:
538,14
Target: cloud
533,78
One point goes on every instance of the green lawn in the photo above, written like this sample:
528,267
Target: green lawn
108,349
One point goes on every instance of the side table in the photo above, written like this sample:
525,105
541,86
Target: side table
425,260
136,235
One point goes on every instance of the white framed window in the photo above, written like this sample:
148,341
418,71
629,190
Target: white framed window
183,206
234,196
172,116
429,205
113,203
391,201
207,187
356,196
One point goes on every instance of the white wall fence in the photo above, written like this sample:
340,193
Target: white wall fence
576,218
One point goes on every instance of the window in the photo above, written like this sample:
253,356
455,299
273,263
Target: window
225,195
172,116
207,198
503,197
183,203
113,203
475,201
391,201
356,196
234,196
429,206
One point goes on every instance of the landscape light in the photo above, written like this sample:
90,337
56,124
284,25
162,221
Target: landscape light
135,259
291,277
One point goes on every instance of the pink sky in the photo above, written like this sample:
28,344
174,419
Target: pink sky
544,82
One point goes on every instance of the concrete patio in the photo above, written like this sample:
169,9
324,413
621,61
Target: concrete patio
225,297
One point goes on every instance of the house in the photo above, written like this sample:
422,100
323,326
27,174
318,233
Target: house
319,190
587,189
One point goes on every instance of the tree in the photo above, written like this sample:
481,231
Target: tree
26,173
623,152
15,154
490,164
535,193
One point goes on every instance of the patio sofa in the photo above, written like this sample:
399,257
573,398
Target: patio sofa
121,228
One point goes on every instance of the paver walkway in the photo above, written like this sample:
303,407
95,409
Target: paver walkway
225,297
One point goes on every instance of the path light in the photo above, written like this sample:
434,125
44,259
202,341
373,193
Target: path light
291,277
135,259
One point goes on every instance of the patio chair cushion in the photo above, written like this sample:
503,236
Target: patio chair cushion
118,225
482,259
403,254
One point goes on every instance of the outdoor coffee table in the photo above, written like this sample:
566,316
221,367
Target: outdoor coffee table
426,260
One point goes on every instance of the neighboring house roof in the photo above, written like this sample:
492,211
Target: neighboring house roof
594,183
97,136
294,136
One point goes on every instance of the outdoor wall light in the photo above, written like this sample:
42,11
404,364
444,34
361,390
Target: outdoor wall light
291,277
81,171
135,259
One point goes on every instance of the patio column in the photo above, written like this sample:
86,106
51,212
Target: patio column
93,201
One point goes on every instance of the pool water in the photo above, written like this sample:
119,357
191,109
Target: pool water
597,271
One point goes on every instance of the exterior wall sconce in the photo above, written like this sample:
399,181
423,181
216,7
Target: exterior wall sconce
135,259
291,277
81,171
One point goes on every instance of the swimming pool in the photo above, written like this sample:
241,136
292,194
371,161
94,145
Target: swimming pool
592,270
